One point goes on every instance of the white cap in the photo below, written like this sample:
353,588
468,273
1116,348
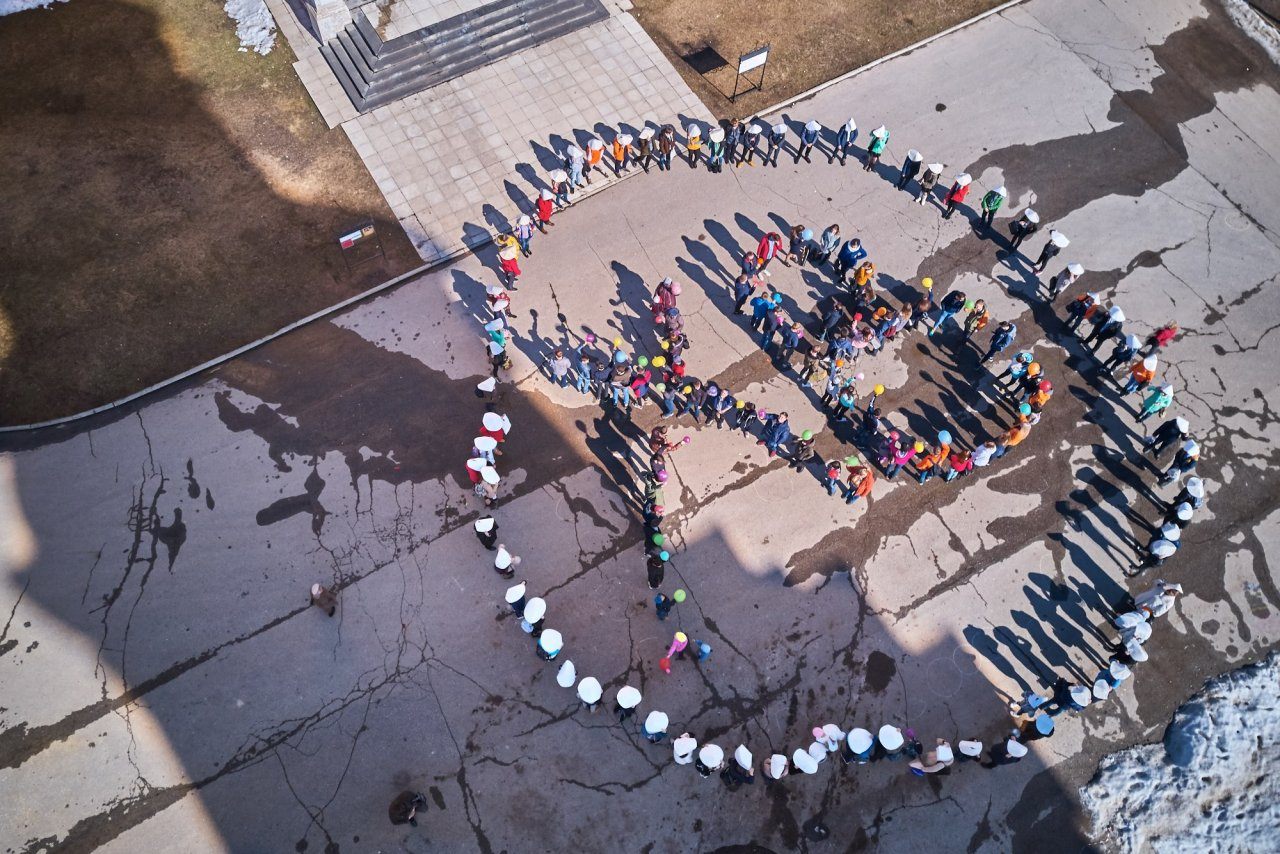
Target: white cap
1150,363
503,559
971,748
491,421
881,131
1031,215
485,443
1134,650
779,128
595,144
1101,689
803,761
547,195
646,133
487,384
477,464
551,641
754,128
1116,314
743,756
891,737
944,753
777,764
1044,724
490,475
711,755
624,138
1000,191
832,733
566,675
1195,487
515,591
935,168
851,125
535,609
656,722
1163,548
683,748
964,179
1132,342
506,424
716,135
316,589
525,219
1016,749
559,176
1119,670
1191,448
859,740
1058,239
574,151
1183,425
1170,532
1080,695
693,130
628,697
1075,269
818,751
914,156
589,690
812,124
1184,511
494,325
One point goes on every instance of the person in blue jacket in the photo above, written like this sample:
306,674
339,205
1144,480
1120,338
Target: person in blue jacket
776,433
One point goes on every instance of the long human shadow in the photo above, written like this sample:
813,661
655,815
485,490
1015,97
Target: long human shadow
1069,601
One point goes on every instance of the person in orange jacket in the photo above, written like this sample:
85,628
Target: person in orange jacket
1141,373
859,483
595,152
621,153
957,193
1012,437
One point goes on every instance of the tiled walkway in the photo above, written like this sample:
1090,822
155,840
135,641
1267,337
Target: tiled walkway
464,159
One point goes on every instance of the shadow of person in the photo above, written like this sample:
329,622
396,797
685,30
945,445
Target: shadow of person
519,197
496,219
527,172
988,648
727,242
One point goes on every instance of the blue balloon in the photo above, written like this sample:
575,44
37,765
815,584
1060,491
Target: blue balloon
944,438
807,234
665,555
619,357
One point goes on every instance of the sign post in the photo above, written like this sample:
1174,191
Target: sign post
361,244
749,62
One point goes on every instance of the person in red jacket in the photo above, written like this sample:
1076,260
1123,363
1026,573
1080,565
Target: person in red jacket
1161,337
956,194
545,207
768,249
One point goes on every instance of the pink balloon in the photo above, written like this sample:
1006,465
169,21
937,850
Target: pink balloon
591,339
687,439
860,376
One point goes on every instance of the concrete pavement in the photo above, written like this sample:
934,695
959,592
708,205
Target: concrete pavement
166,684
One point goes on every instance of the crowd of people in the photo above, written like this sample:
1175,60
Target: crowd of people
824,350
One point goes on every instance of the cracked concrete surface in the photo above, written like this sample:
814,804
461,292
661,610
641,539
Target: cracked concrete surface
165,684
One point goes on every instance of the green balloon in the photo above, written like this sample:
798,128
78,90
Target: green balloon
660,387
642,361
678,596
665,555
658,539
807,435
851,460
968,305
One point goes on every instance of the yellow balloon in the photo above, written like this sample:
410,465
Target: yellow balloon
666,345
919,447
617,342
927,282
740,404
879,389
686,389
658,361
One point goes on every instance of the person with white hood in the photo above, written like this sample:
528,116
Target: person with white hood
589,692
777,136
957,194
504,562
910,168
991,202
775,769
549,644
693,143
567,675
1124,351
970,749
489,481
1158,400
535,614
1006,753
928,181
1159,600
684,748
1056,243
1184,462
1023,227
845,138
1192,493
710,759
655,726
808,139
1065,279
1161,547
624,705
487,531
1111,326
1179,514
859,746
741,771
891,742
804,761
1170,432
574,161
515,597
879,139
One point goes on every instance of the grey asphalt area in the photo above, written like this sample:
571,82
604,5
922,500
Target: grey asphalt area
166,686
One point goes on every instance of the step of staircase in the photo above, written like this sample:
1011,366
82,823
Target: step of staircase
374,72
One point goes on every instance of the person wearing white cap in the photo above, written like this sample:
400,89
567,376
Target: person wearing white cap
508,259
515,597
1192,493
589,692
655,726
1162,546
1141,373
970,749
535,613
546,207
710,759
489,485
750,142
549,644
595,153
1041,726
499,301
1023,227
684,748
777,136
910,168
487,531
879,139
991,202
524,234
859,746
845,137
808,139
936,760
624,705
1107,327
929,180
1179,514
567,674
666,146
1056,243
1005,754
483,447
775,769
693,143
715,150
804,761
741,771
621,154
1184,462
1174,430
891,742
561,187
958,193
1126,348
644,148
1065,279
1158,400
1159,600
324,598
1067,696
574,161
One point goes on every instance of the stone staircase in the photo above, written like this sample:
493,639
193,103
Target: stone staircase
374,72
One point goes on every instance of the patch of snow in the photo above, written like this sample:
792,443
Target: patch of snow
1206,787
8,7
1256,26
255,27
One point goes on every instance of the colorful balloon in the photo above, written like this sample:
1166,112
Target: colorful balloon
643,361
678,595
919,446
1025,409
968,305
666,345
617,342
659,361
658,539
665,555
927,282
944,438
879,389
590,339
807,435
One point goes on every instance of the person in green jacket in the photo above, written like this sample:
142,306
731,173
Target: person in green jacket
991,202
879,139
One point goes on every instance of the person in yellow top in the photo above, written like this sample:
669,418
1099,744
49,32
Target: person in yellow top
693,135
621,153
595,151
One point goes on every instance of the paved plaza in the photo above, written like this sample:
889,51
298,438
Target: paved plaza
167,687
